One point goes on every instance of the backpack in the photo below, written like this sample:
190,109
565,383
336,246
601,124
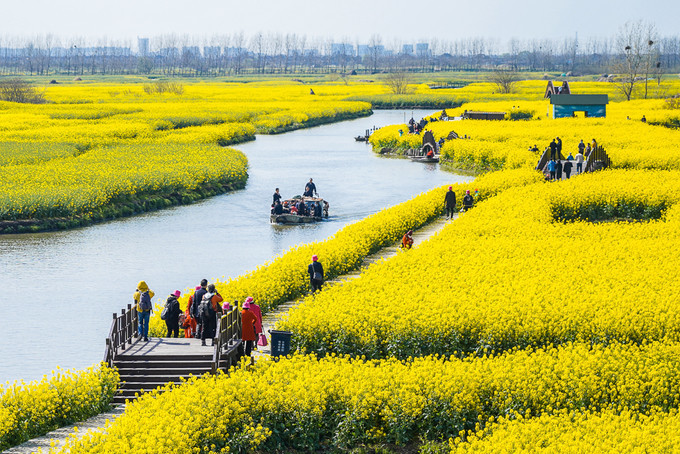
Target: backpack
164,313
144,302
205,306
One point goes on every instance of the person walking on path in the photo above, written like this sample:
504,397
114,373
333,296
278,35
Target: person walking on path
579,163
310,189
142,299
172,311
198,296
315,270
208,308
450,202
468,200
248,321
567,168
407,240
581,147
255,309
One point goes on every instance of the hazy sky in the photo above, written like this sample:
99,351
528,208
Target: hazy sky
394,20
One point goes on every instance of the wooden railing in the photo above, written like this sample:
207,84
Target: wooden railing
227,337
545,157
123,329
597,160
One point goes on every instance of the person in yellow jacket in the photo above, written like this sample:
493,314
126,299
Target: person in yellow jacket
142,298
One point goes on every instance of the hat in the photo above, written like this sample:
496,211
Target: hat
467,192
249,299
450,187
198,287
246,305
177,293
314,258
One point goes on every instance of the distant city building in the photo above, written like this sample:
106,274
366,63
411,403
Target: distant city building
407,49
363,50
193,51
342,49
143,47
422,49
212,51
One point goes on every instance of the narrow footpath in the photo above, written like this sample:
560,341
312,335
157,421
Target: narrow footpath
97,423
269,319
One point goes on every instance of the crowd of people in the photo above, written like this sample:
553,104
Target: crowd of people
557,167
205,307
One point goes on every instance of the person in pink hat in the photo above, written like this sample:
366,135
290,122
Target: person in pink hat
171,313
315,270
255,309
248,321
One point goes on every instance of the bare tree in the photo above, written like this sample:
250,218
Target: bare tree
18,90
397,83
634,48
504,80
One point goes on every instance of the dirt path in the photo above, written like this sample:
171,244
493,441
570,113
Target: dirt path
59,436
420,235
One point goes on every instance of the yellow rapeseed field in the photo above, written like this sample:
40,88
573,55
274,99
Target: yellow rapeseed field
94,146
64,397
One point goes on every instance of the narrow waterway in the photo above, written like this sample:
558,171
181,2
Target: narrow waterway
59,289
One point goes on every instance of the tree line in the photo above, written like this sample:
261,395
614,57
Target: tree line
637,46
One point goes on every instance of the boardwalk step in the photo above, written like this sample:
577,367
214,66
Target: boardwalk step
174,371
160,379
189,357
148,364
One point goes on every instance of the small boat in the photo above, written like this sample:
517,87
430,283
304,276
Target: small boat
426,158
294,218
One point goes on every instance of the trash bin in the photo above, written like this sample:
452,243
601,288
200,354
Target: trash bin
280,342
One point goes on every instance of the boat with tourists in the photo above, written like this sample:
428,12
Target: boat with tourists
315,209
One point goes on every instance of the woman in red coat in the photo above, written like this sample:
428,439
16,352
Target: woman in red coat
248,322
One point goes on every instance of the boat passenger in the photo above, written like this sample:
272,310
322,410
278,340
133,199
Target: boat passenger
310,189
312,210
278,208
302,208
325,208
276,197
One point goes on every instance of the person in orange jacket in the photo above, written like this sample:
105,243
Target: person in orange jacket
248,321
407,240
190,324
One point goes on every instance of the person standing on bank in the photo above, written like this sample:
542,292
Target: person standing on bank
142,299
172,311
310,189
581,147
468,200
558,170
315,270
248,321
198,297
559,146
255,309
450,201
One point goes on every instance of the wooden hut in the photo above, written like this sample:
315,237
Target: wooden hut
567,105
